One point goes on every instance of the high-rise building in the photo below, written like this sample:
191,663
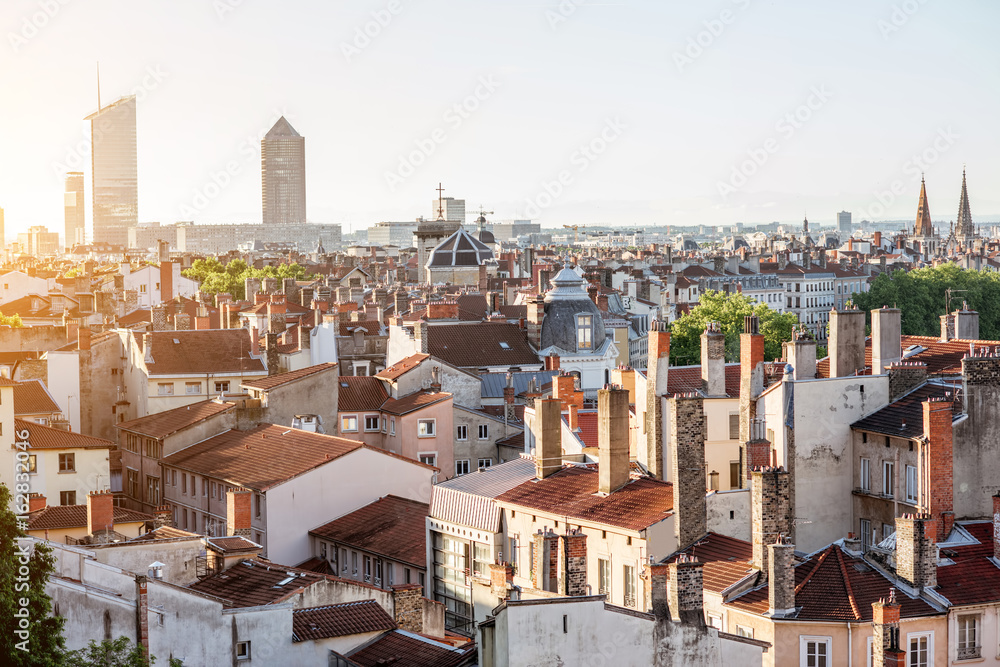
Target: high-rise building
844,224
283,174
38,241
114,171
448,208
74,209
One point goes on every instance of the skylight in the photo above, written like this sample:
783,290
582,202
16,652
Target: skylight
504,345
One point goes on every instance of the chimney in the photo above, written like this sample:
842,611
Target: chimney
564,388
147,347
536,313
966,323
436,379
166,281
800,352
887,326
545,566
996,525
685,591
273,359
83,338
781,579
878,240
72,330
886,650
548,437
847,342
573,563
100,512
238,512
947,327
420,336
770,513
655,577
656,388
574,418
713,360
751,382
687,468
254,342
408,607
501,579
916,551
612,439
142,612
552,362
276,310
904,376
510,414
624,377
758,447
36,501
806,260
163,516
938,432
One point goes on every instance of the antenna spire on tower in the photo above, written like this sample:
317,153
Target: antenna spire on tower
440,202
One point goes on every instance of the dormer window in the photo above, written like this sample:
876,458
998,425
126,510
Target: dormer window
584,332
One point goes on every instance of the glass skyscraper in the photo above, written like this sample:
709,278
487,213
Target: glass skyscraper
283,174
74,210
115,171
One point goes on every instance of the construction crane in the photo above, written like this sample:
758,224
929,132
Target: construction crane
575,229
481,220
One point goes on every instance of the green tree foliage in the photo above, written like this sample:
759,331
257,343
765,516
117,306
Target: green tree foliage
120,652
216,277
25,590
920,294
11,321
728,310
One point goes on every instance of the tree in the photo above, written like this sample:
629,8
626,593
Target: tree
11,321
728,310
120,652
25,607
230,278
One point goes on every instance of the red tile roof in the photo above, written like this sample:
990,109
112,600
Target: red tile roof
974,578
572,492
371,327
254,582
406,649
904,418
267,383
32,398
586,421
727,560
475,345
165,533
360,392
162,424
53,517
402,366
391,526
415,401
45,437
201,351
941,358
340,620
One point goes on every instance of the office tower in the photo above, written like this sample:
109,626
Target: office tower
73,207
38,241
283,174
448,208
844,224
114,170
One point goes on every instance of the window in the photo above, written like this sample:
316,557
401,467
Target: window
371,423
258,504
921,649
462,467
734,474
584,332
67,497
425,428
32,463
221,388
968,637
462,433
192,387
866,534
152,490
484,431
67,463
154,448
349,424
911,484
354,563
485,463
383,424
888,468
392,426
165,389
814,651
866,475
142,289
429,458
204,487
628,581
242,650
604,576
744,631
734,426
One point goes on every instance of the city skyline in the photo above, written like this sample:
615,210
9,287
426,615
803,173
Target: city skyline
686,134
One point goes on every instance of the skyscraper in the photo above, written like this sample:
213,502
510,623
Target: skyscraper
449,208
844,224
73,207
283,174
114,171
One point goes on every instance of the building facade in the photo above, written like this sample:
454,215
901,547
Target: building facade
114,171
74,210
283,174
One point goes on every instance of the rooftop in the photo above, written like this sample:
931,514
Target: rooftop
201,351
406,649
340,620
270,382
32,398
391,526
475,345
53,517
255,582
162,424
45,437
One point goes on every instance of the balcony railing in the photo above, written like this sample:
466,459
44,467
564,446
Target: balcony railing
630,601
969,652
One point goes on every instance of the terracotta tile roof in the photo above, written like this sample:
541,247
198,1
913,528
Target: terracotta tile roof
5,382
391,526
254,582
32,398
904,418
359,392
586,421
259,458
974,578
516,440
53,517
415,401
727,560
402,366
371,327
165,533
572,492
475,345
162,424
201,351
231,544
267,383
941,358
45,437
138,316
340,620
406,649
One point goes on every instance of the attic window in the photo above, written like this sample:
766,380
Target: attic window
504,345
285,581
344,385
176,342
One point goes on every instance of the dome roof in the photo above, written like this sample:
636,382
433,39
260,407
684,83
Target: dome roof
564,303
486,236
460,249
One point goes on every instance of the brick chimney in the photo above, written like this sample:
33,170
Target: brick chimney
947,327
938,432
83,338
100,512
573,417
142,611
770,513
878,240
166,281
658,367
552,362
536,313
408,607
36,501
147,348
886,649
751,382
420,336
510,413
687,468
847,342
655,576
685,591
713,360
238,512
886,341
758,447
254,342
276,310
781,579
163,516
548,437
545,568
904,376
612,439
573,563
916,551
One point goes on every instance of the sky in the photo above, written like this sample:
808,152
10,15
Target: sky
624,112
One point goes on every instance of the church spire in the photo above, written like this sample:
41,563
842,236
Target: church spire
963,222
923,226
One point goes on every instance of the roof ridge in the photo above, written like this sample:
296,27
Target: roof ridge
819,563
847,585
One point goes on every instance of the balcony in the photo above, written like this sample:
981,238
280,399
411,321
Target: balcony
969,652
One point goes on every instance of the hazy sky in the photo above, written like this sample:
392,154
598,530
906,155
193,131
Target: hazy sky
628,112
